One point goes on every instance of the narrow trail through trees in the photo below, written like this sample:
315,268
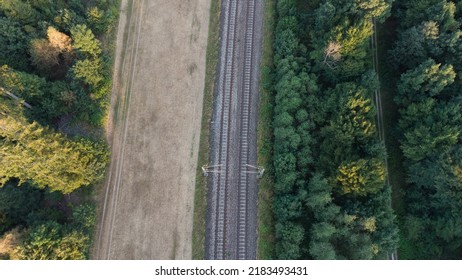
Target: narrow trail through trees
378,104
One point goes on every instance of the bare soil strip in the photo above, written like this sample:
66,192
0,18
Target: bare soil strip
146,208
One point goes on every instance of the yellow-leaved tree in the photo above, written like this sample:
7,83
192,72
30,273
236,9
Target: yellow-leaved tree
31,152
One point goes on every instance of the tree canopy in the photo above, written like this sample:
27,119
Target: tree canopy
54,92
28,151
427,54
331,201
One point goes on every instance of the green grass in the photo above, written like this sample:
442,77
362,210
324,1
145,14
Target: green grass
386,35
200,196
264,139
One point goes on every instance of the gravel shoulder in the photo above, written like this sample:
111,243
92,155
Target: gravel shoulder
146,206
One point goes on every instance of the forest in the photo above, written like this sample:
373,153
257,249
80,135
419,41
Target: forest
427,56
55,82
331,199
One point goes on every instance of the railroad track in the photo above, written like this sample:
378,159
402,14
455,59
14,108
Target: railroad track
227,91
228,218
244,137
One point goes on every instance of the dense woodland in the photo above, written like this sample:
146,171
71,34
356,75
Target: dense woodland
331,200
54,89
428,56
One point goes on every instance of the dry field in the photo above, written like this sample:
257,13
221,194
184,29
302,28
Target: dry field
146,206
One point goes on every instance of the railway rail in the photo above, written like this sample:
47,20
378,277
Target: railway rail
231,219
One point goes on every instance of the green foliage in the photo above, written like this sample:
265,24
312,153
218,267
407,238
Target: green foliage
32,152
409,49
101,20
89,71
427,80
379,9
415,12
19,10
50,100
52,241
14,42
52,60
52,56
290,235
40,243
429,126
16,203
27,86
65,19
84,217
85,42
361,177
330,195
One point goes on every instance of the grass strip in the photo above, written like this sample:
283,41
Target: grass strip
200,196
265,244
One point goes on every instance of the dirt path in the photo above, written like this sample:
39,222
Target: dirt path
146,207
378,104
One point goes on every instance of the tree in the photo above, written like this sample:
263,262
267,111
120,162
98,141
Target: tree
289,236
73,246
379,9
427,80
85,42
40,243
45,57
65,19
19,10
51,241
84,217
29,87
53,55
50,100
9,241
429,128
89,71
320,250
321,247
59,40
417,11
324,120
353,38
409,50
14,42
29,151
430,124
289,207
332,54
100,19
361,177
351,127
325,17
15,205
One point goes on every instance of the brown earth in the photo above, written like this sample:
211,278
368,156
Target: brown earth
146,206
